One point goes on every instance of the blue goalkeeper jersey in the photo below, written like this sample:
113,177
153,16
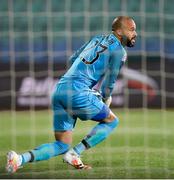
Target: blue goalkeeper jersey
100,59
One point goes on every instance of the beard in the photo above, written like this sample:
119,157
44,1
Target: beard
128,42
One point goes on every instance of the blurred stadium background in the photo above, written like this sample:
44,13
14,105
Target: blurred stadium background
36,39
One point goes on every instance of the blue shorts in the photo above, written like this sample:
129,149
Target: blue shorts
68,104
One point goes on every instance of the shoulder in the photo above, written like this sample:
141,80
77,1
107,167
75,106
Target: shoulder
114,43
98,37
117,51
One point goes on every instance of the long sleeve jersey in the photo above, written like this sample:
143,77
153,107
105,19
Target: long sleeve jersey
99,59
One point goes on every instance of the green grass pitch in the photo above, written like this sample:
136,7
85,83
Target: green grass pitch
142,146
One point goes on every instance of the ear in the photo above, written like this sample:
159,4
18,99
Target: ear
119,32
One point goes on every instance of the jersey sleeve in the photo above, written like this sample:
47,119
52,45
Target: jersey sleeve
77,53
115,63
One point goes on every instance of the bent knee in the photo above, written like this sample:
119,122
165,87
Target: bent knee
111,117
112,121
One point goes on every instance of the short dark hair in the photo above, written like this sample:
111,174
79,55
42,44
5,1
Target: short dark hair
118,21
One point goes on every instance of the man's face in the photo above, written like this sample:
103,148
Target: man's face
129,33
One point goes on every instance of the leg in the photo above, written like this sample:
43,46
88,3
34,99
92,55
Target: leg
42,152
65,136
99,133
63,125
46,151
101,113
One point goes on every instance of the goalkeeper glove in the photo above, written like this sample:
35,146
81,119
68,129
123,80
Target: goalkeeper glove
107,101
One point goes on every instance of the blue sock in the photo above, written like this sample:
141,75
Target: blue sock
100,132
79,148
45,151
26,157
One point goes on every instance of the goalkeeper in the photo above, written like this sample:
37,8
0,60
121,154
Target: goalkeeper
100,59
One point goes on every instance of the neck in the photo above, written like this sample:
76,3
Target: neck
118,37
